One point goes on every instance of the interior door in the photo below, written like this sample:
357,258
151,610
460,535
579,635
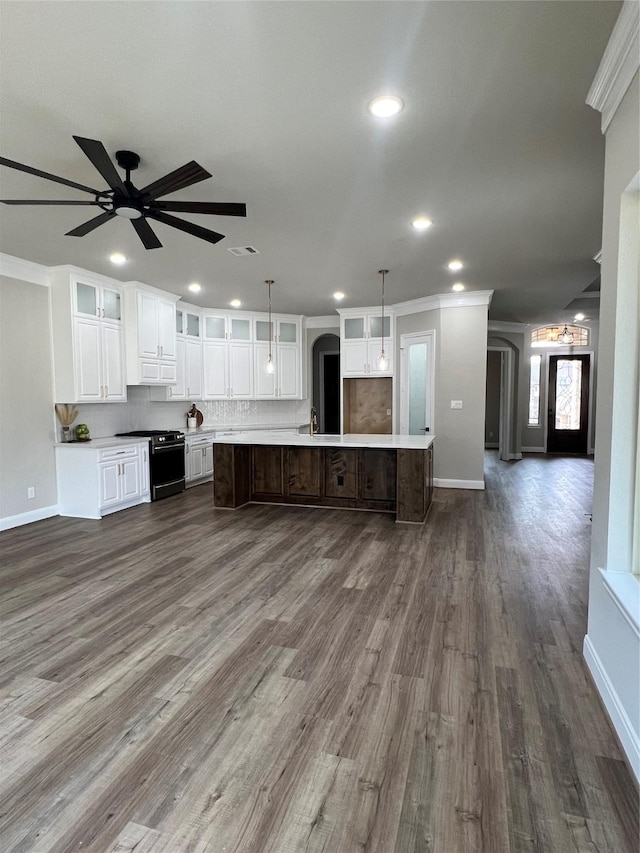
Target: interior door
416,384
568,414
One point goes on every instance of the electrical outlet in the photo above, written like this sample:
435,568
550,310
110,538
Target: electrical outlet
456,404
388,411
31,492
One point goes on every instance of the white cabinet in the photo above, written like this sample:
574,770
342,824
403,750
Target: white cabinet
227,353
198,459
95,481
88,337
362,337
286,352
188,382
150,335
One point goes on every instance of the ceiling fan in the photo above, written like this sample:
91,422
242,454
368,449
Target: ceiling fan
123,199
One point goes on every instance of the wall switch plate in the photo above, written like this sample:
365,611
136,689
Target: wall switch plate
456,404
31,492
388,411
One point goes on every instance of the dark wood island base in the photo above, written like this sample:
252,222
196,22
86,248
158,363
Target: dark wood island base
393,480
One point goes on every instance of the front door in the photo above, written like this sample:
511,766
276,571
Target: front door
568,404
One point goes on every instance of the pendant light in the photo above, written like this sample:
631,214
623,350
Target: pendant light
565,336
270,366
383,361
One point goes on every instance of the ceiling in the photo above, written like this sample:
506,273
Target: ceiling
495,144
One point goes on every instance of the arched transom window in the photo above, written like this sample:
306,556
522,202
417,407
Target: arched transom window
559,336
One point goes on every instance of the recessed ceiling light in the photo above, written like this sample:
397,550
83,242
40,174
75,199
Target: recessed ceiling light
421,223
117,258
386,106
235,303
338,295
454,266
579,317
458,286
194,287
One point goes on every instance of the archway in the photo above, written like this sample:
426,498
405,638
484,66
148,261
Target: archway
326,382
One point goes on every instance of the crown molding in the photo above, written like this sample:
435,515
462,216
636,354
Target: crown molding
331,321
23,270
619,64
504,326
443,300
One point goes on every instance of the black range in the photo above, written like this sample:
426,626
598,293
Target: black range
166,460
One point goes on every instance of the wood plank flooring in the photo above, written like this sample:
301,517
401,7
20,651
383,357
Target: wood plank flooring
276,680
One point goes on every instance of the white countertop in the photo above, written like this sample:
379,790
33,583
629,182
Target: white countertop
111,441
378,442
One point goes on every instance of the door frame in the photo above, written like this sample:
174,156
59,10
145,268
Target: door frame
321,400
507,397
567,352
410,337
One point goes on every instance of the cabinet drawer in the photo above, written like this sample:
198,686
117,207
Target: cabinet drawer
109,453
158,371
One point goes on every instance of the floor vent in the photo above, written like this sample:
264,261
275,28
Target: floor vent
244,250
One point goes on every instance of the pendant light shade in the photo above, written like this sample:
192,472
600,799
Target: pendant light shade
383,361
269,365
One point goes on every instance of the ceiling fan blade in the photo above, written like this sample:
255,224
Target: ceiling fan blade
180,178
188,227
86,227
146,234
218,208
34,201
40,174
97,153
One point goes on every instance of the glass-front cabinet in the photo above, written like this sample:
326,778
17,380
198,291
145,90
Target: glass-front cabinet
364,335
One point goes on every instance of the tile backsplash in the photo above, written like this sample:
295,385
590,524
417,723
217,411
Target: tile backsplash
139,412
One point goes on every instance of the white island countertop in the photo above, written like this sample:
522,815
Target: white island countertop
376,442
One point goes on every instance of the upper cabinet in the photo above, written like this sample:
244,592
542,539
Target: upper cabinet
150,335
362,336
87,321
286,354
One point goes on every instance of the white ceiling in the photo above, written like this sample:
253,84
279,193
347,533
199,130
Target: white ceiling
495,144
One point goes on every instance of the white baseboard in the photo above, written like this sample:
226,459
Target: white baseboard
533,449
27,517
629,739
439,483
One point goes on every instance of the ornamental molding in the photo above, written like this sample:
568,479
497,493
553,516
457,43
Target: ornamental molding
619,64
23,270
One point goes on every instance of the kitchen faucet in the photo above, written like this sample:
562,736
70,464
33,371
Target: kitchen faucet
313,422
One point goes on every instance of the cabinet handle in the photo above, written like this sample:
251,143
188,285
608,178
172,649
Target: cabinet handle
106,391
103,312
188,391
162,352
187,446
144,455
101,394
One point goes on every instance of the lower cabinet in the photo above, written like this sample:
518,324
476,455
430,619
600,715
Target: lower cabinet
198,460
94,481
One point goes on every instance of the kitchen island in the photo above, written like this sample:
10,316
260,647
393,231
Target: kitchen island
388,473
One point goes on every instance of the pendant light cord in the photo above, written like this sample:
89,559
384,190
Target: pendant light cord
382,273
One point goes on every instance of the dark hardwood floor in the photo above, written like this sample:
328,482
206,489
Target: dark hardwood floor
284,679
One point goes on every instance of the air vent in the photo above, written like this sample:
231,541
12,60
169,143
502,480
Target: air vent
244,250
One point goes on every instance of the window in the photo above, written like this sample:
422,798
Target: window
547,336
534,390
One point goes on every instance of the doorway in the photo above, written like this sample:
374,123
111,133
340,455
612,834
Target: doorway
417,383
568,412
326,383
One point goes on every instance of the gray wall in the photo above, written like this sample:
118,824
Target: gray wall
27,421
461,360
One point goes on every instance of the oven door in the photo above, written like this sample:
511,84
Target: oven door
167,470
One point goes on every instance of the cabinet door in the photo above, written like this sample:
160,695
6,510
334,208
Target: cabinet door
109,484
208,460
144,470
288,367
216,370
148,342
196,454
264,383
130,479
241,371
215,327
240,329
179,390
287,332
111,299
353,356
113,363
167,328
86,299
374,355
89,385
194,369
355,329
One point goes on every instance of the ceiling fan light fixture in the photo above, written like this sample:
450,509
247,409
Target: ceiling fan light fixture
127,210
386,106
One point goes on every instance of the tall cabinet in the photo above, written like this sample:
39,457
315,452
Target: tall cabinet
87,314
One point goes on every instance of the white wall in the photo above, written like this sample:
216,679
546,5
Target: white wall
612,644
26,403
